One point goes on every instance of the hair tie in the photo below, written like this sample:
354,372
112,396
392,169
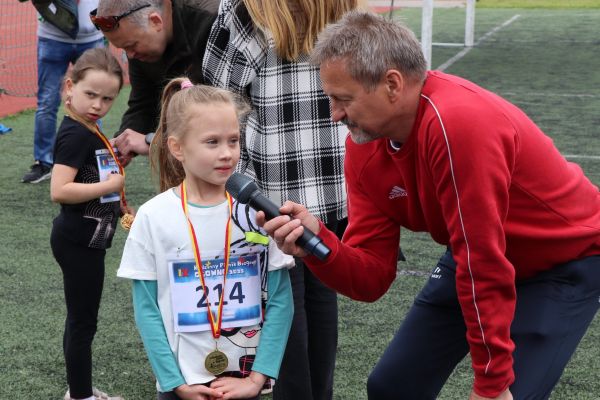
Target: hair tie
186,83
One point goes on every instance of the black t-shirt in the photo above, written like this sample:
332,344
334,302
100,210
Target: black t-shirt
91,223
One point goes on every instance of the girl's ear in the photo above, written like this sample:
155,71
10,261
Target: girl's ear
68,87
68,94
175,148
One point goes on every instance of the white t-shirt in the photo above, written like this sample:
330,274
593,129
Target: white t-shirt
158,248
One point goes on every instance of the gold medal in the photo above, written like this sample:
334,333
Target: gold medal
216,362
126,221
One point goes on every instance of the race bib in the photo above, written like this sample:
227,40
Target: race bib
107,166
241,292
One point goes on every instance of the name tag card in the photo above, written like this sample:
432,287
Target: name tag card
107,166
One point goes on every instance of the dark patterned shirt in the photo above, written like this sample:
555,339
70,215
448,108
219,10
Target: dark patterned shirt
91,223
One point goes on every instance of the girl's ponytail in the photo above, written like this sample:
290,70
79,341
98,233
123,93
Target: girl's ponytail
167,168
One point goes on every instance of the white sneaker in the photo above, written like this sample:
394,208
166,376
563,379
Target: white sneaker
98,395
103,396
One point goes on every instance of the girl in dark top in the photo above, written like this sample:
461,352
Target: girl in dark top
88,183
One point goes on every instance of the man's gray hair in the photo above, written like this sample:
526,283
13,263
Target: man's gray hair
118,7
371,45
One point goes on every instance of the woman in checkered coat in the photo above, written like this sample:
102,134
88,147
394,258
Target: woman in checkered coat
293,150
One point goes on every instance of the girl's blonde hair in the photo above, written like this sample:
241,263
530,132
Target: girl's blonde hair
295,24
175,104
99,59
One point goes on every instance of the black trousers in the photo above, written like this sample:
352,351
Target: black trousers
83,277
309,360
553,311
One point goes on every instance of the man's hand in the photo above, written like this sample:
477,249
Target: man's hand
286,230
506,395
130,143
197,392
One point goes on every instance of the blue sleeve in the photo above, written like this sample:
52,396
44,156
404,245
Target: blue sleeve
276,327
150,325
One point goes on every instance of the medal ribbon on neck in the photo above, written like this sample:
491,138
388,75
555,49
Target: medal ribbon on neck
215,325
96,131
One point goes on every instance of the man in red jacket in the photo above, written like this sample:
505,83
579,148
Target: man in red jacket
520,282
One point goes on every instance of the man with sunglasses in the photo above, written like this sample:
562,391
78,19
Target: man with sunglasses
162,40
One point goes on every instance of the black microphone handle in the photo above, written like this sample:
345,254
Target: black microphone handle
261,203
308,241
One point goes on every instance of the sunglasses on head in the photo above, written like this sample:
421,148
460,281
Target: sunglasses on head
111,22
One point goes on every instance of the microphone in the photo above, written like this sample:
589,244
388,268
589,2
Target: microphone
244,190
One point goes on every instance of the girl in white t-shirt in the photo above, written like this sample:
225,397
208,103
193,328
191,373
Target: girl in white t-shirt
211,294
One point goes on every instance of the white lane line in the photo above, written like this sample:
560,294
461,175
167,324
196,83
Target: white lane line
466,50
581,157
550,94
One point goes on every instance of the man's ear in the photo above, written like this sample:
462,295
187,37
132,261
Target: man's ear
395,82
155,20
175,148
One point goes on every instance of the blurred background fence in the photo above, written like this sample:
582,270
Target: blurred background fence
18,56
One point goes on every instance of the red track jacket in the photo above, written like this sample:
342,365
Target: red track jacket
480,176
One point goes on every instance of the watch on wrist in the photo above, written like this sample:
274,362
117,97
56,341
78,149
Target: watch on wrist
149,137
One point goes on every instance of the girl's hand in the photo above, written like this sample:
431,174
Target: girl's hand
197,392
115,182
239,388
64,189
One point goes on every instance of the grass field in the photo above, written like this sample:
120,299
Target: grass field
545,61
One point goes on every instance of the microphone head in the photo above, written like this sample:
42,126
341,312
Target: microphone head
240,187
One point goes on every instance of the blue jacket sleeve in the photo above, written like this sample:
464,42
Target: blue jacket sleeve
150,325
276,327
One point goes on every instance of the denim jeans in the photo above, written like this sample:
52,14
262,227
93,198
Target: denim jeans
53,60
